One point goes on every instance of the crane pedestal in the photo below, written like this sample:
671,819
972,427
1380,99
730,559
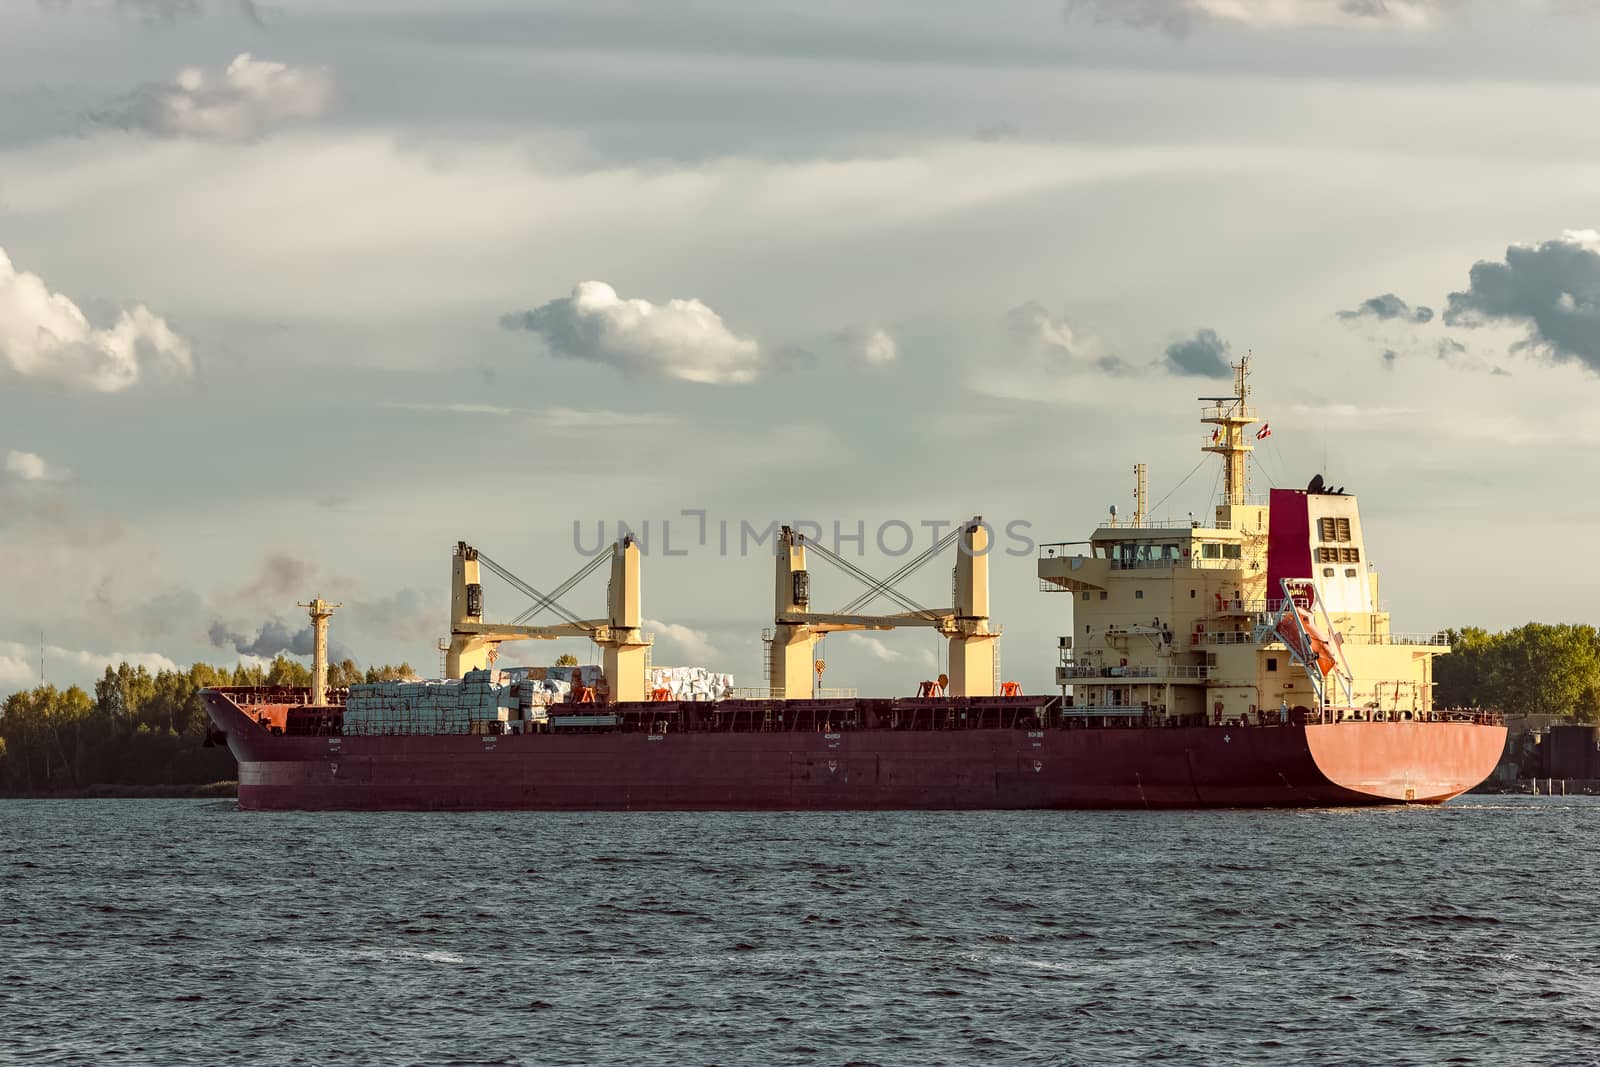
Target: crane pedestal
972,665
794,651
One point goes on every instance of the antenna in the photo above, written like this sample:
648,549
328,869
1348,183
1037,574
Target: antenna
41,656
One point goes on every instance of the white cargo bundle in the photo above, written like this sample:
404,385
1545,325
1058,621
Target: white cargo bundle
692,683
442,706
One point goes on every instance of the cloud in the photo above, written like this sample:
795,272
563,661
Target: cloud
1179,17
165,13
1054,339
548,418
1387,307
242,102
997,131
1032,325
19,664
683,340
874,347
879,650
1205,355
278,576
1551,289
693,644
44,336
274,637
29,467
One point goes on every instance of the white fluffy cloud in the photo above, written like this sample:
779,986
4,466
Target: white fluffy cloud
681,339
1032,326
880,651
19,664
245,100
30,467
694,645
874,347
44,335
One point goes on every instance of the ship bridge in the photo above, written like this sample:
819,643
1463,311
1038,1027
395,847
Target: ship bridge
1079,566
1169,615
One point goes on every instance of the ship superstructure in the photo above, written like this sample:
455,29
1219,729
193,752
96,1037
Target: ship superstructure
1177,620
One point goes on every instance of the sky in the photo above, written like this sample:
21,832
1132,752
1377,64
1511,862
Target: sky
294,296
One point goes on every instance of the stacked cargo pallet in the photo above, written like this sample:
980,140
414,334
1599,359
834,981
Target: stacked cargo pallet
437,707
691,683
542,686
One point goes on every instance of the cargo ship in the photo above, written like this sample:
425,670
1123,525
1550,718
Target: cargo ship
1242,660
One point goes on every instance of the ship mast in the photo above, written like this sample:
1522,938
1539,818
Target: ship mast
1229,415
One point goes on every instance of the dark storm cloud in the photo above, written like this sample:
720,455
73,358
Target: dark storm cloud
272,639
1552,289
1205,355
1388,307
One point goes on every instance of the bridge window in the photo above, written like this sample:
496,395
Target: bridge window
1272,663
1138,594
1086,596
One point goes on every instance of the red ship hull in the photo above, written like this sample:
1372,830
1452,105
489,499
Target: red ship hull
1315,765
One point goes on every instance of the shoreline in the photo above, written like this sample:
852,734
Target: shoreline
205,791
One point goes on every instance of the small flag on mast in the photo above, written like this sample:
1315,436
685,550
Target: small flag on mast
1216,435
1265,431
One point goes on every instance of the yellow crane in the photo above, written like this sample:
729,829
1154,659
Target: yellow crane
475,643
797,628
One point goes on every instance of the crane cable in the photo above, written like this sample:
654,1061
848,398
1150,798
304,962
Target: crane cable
905,571
541,600
872,582
563,589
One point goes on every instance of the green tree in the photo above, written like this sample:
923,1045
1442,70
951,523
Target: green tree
344,673
44,734
243,675
1538,668
121,692
388,673
566,659
286,671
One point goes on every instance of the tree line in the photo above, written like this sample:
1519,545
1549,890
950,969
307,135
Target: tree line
1536,669
137,729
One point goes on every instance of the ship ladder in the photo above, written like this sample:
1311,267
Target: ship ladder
766,722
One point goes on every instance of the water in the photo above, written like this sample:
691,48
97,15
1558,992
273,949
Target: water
187,932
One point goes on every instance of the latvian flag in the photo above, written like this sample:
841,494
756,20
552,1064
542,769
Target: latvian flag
1265,431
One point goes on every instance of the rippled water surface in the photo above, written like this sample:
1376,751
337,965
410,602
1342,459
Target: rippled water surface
188,932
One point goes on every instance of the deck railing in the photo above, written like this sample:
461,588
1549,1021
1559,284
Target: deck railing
1076,671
